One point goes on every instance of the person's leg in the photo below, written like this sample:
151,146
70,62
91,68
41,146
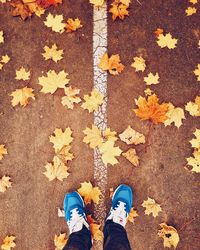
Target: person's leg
80,236
115,236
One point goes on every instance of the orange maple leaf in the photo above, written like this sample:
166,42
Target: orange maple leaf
47,3
118,10
150,109
112,64
97,234
158,32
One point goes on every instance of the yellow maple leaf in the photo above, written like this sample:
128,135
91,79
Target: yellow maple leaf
109,152
131,156
174,115
190,11
53,81
34,7
55,23
73,24
194,161
150,109
97,3
195,142
193,1
167,41
52,53
3,151
132,215
22,74
5,183
197,72
1,36
8,242
21,96
118,10
64,153
97,234
109,135
112,64
70,97
169,234
56,170
151,207
194,107
61,139
138,64
5,59
148,92
151,79
93,137
131,136
89,193
60,241
126,2
92,101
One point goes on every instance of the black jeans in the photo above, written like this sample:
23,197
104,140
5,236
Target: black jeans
115,238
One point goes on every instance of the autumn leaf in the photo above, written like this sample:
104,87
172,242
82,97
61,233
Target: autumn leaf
70,97
3,151
167,41
61,139
22,74
190,11
138,64
158,32
5,183
112,64
1,36
93,137
148,92
56,170
151,207
194,107
53,81
175,115
109,135
194,161
169,234
55,23
34,7
5,59
52,53
132,215
151,79
92,101
20,9
109,152
47,3
150,109
8,242
60,241
97,234
64,153
21,96
119,10
73,24
193,1
195,142
89,193
197,72
97,3
131,136
131,156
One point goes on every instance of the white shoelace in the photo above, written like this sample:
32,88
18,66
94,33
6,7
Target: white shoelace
76,221
119,214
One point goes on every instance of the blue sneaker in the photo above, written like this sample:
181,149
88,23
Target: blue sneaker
74,208
121,205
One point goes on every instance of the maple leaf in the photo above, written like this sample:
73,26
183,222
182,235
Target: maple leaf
167,41
5,59
5,183
151,79
21,96
112,64
148,92
97,3
131,136
109,152
34,7
151,207
8,242
131,156
89,193
190,11
194,161
132,215
60,241
73,24
193,1
158,32
118,10
97,234
138,64
150,109
195,142
52,53
93,101
70,97
93,137
197,72
53,81
20,9
109,135
64,153
47,3
3,151
174,115
55,23
61,139
56,170
194,107
169,234
22,74
1,36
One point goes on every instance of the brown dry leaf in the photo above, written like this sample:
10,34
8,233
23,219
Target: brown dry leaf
70,97
150,109
3,151
89,193
167,41
93,137
132,215
5,183
175,115
22,74
109,152
119,10
190,11
56,170
97,234
92,101
169,234
197,72
194,107
131,136
131,156
8,242
112,64
60,241
151,207
21,96
73,24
